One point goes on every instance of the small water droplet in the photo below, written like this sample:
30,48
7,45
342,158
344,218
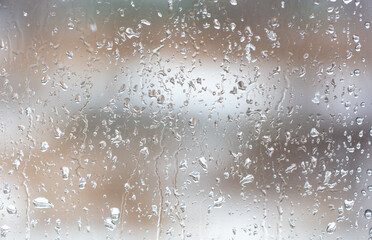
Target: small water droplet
11,209
203,163
314,133
195,175
234,2
69,54
145,22
4,230
331,228
368,214
65,173
192,122
6,189
219,202
247,179
58,133
109,224
42,202
348,204
359,120
115,213
183,164
82,183
44,146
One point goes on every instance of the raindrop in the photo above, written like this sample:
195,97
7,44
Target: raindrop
195,175
219,202
82,183
109,224
4,229
65,173
368,214
348,204
6,189
183,164
314,133
44,146
359,120
115,213
192,122
331,228
42,202
145,22
247,179
203,163
11,209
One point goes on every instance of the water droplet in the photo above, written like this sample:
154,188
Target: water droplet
130,33
154,210
192,122
367,25
234,2
11,209
58,133
109,224
42,202
359,120
331,228
82,183
247,163
247,179
347,1
44,146
4,230
6,189
195,175
219,202
368,214
291,168
203,163
65,173
314,133
115,213
348,204
69,54
183,164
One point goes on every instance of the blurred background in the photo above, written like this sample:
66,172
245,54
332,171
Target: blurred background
185,119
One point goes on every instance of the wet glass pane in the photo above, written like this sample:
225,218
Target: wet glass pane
183,119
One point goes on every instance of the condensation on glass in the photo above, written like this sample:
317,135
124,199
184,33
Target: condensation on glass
178,119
